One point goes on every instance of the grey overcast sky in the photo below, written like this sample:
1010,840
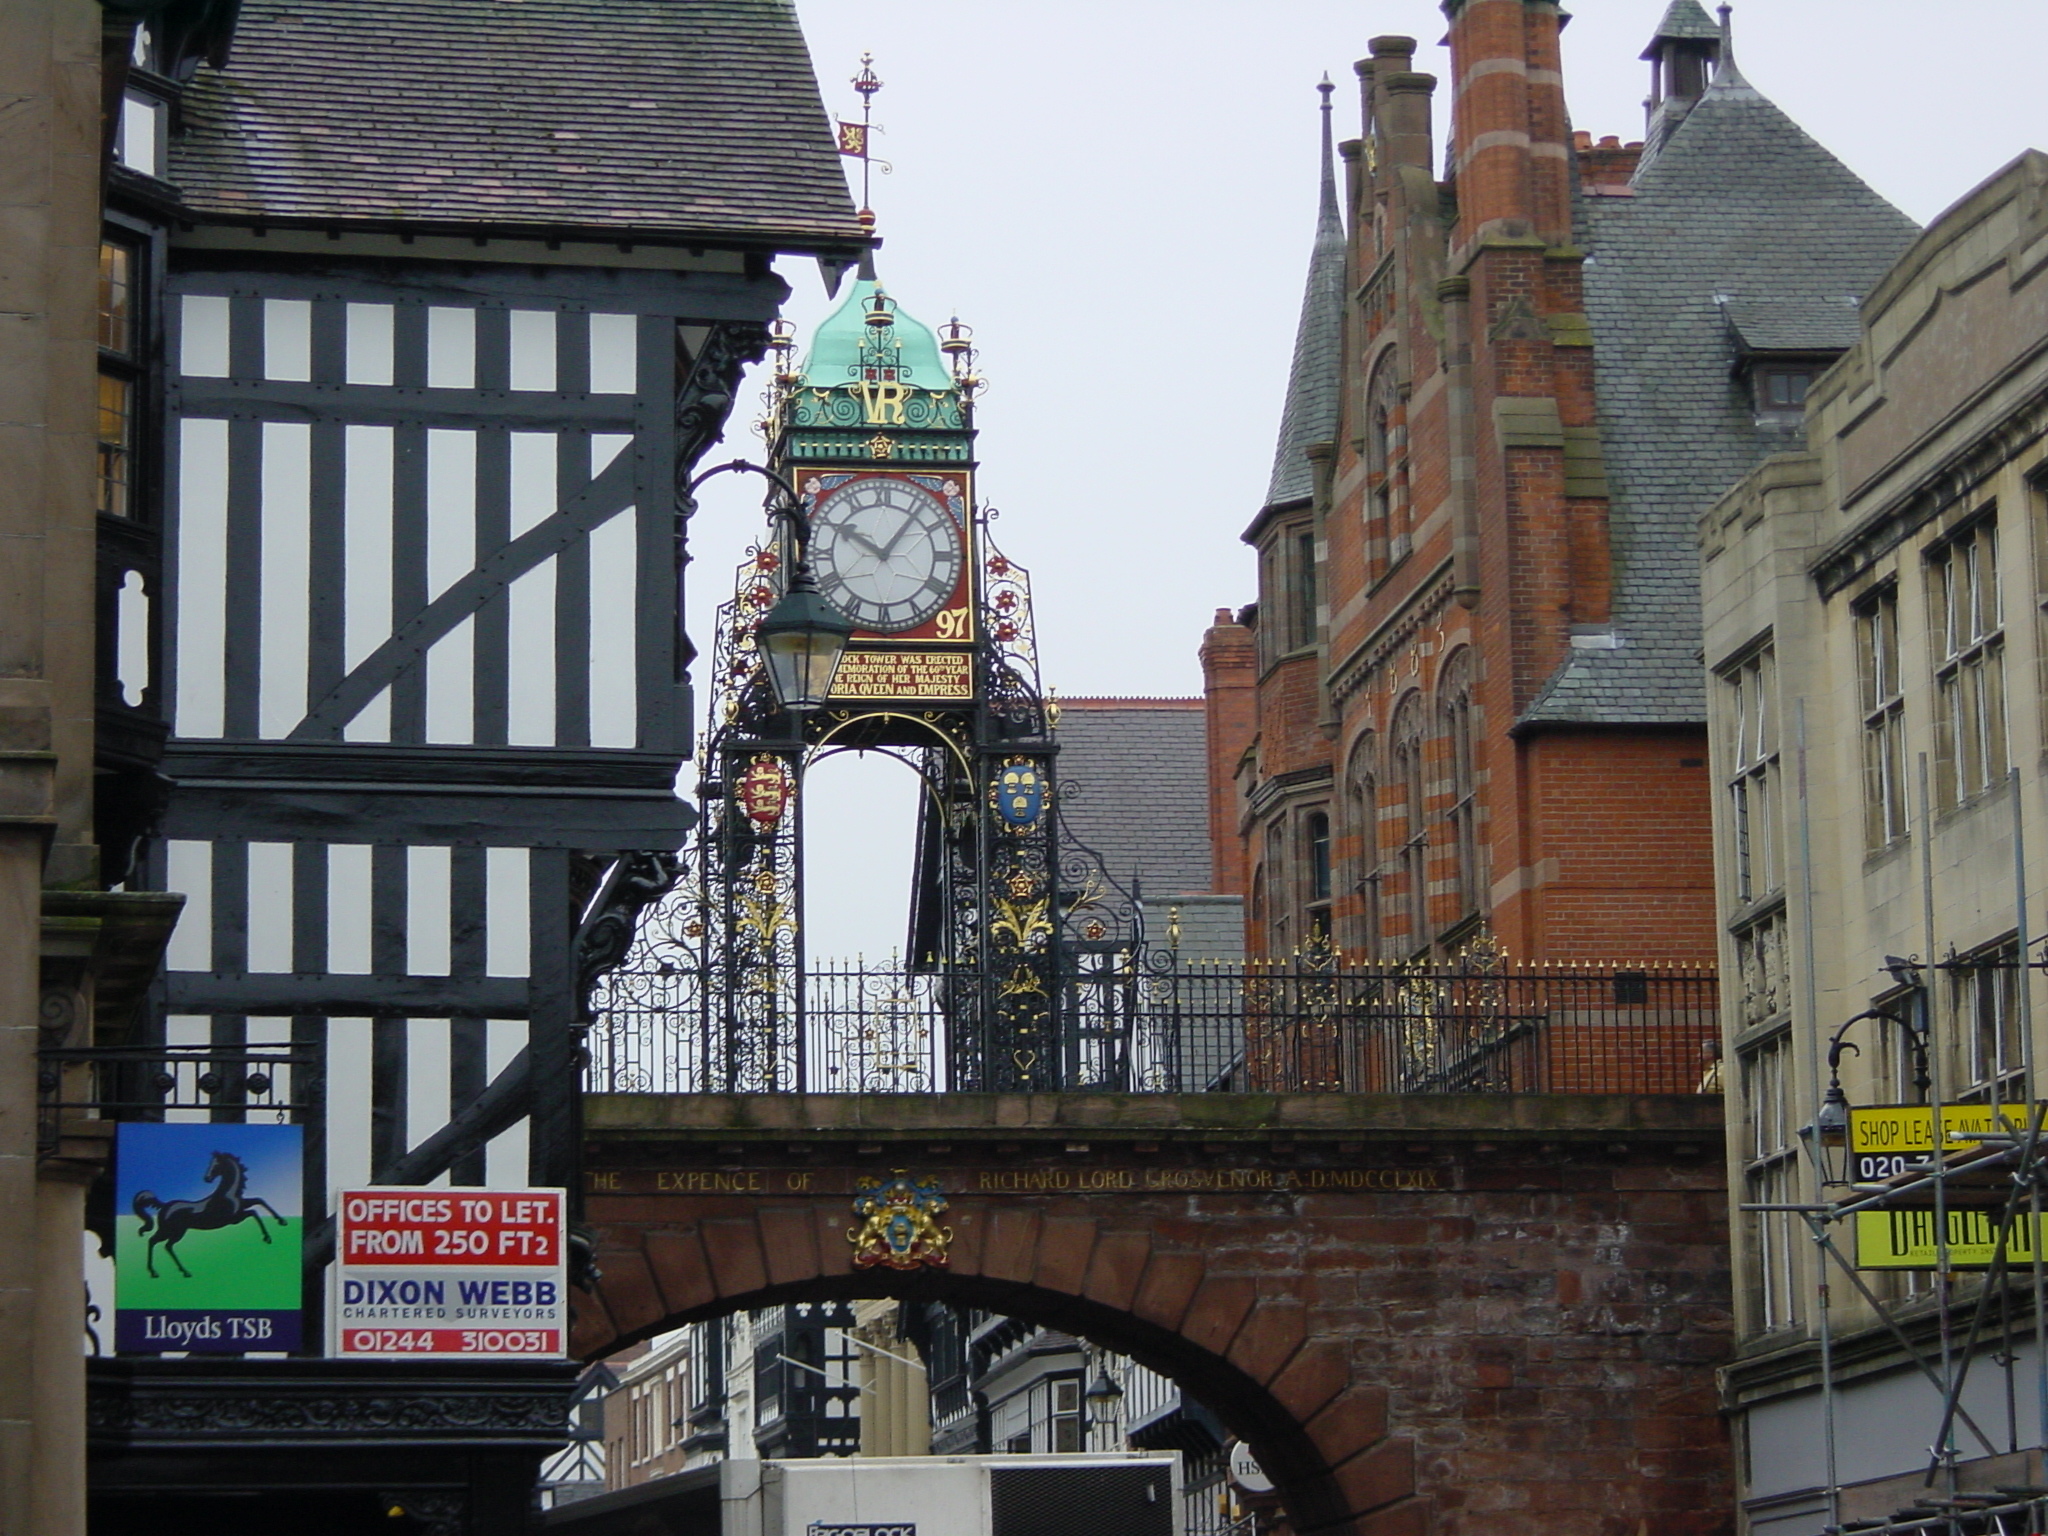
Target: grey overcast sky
1118,195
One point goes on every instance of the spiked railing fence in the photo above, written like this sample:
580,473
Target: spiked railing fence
1314,1024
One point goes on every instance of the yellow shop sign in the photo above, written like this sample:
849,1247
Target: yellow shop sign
1886,1140
1905,1239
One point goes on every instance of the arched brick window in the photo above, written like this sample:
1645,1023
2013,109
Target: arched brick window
1257,926
1362,797
1316,882
1455,715
1408,785
1387,506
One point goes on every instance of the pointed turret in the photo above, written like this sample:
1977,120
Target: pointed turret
1310,415
1682,56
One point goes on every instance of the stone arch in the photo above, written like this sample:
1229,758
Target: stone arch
1237,1341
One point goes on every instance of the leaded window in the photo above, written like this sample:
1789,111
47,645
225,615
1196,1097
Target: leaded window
1365,822
1301,598
1751,760
1316,848
1463,812
1881,697
1969,676
1770,1177
1984,992
119,378
1410,783
1388,510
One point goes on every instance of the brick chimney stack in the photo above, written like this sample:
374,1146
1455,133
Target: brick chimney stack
1508,121
1230,681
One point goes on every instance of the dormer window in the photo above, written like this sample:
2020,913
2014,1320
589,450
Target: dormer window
1781,390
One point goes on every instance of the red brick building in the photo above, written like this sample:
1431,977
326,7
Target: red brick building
1469,696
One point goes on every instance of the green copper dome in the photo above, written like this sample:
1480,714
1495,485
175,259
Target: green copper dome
845,344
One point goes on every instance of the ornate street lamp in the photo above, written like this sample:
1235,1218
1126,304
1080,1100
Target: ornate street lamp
1104,1397
1827,1138
803,636
802,639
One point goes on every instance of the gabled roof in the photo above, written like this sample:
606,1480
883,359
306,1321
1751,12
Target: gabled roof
1741,215
1310,415
694,120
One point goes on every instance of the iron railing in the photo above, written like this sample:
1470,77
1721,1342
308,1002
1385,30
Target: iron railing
152,1082
1306,1024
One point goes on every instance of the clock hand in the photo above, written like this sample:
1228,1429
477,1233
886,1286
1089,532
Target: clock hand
864,541
902,528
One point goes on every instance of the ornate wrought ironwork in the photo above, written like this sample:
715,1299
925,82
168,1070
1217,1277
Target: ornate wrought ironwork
1009,980
1140,1021
143,1082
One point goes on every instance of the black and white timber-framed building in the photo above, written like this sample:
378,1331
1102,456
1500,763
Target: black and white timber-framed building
417,315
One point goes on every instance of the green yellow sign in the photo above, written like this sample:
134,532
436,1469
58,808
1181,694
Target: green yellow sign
1905,1239
1887,1140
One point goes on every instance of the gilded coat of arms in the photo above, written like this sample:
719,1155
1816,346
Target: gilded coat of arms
764,789
899,1226
1019,794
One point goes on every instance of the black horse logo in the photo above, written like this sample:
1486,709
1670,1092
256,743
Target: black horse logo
221,1207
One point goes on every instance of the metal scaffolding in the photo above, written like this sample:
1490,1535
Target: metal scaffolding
1998,1171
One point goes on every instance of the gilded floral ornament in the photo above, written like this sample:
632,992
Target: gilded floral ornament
899,1226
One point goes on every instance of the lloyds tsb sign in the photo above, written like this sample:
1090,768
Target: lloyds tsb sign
207,1229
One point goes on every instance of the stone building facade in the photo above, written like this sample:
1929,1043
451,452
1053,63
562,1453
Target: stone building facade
76,953
1877,642
1474,651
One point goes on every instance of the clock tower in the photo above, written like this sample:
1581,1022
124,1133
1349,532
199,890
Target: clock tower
876,433
1009,981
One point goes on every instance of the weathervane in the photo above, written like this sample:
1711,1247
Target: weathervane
853,137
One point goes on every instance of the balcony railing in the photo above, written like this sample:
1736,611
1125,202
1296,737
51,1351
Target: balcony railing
1306,1024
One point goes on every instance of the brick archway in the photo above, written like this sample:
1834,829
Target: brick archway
1226,1338
1419,1325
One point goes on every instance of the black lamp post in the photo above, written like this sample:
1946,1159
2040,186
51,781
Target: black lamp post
803,636
1827,1138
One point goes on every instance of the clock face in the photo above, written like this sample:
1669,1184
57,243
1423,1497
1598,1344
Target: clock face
886,553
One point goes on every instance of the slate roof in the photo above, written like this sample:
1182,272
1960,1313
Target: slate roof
1313,390
1743,215
1134,786
1803,323
1683,19
668,118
